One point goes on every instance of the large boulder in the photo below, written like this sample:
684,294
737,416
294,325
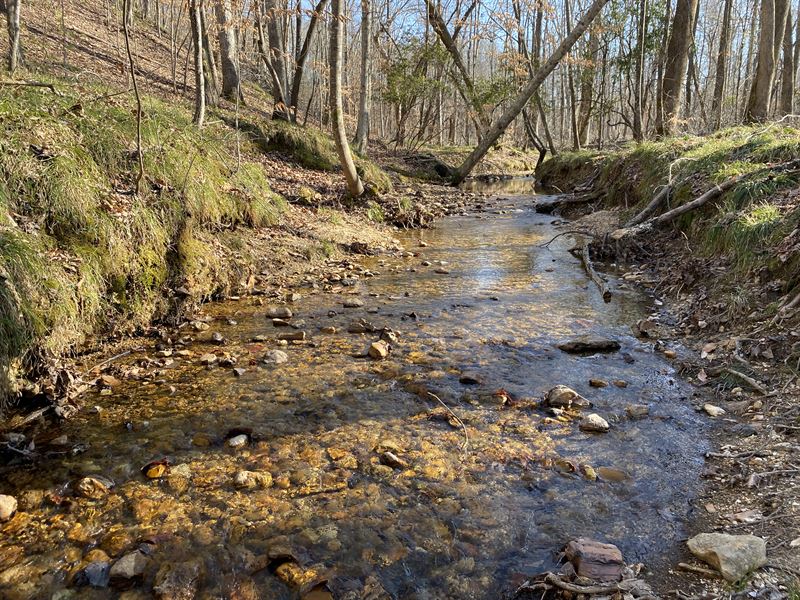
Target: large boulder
734,556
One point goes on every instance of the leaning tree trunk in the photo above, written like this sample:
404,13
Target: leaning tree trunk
13,8
231,84
195,6
354,185
722,64
534,83
680,41
362,129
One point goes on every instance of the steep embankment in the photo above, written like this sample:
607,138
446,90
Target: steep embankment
749,234
81,252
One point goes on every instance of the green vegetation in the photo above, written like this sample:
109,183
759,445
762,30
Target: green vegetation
745,224
79,251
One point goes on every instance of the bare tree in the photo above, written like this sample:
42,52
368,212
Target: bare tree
139,153
788,71
195,7
365,97
722,64
354,185
534,83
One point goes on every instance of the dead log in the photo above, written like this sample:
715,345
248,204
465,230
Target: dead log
659,199
582,252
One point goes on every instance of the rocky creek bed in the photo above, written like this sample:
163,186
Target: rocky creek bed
382,429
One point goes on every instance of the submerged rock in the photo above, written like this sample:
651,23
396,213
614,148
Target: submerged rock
279,312
594,423
275,357
93,487
353,303
252,479
733,555
586,344
637,411
238,441
595,560
177,581
130,566
563,397
8,506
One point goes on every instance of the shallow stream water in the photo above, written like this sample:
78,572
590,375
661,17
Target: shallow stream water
464,512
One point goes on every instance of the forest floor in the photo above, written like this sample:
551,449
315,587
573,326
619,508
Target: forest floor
722,275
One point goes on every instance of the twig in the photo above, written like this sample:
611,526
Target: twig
460,422
784,568
571,231
39,84
748,380
698,570
107,361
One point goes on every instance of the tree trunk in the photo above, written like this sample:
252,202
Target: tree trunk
788,74
680,41
13,8
466,86
354,185
195,7
210,66
722,64
362,129
638,107
297,77
277,45
772,26
587,95
517,104
231,84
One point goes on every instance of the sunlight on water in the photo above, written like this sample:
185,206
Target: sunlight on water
449,519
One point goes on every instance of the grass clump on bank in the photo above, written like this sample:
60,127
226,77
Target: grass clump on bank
79,251
746,224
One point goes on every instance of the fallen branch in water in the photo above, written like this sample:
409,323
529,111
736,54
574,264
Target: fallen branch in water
582,252
570,232
455,416
548,581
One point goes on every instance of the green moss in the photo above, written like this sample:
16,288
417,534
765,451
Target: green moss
744,224
79,251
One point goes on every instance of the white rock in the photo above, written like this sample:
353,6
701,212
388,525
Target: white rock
8,506
238,441
594,423
713,411
378,350
733,555
276,357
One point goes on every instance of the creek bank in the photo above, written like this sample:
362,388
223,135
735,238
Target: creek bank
726,317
